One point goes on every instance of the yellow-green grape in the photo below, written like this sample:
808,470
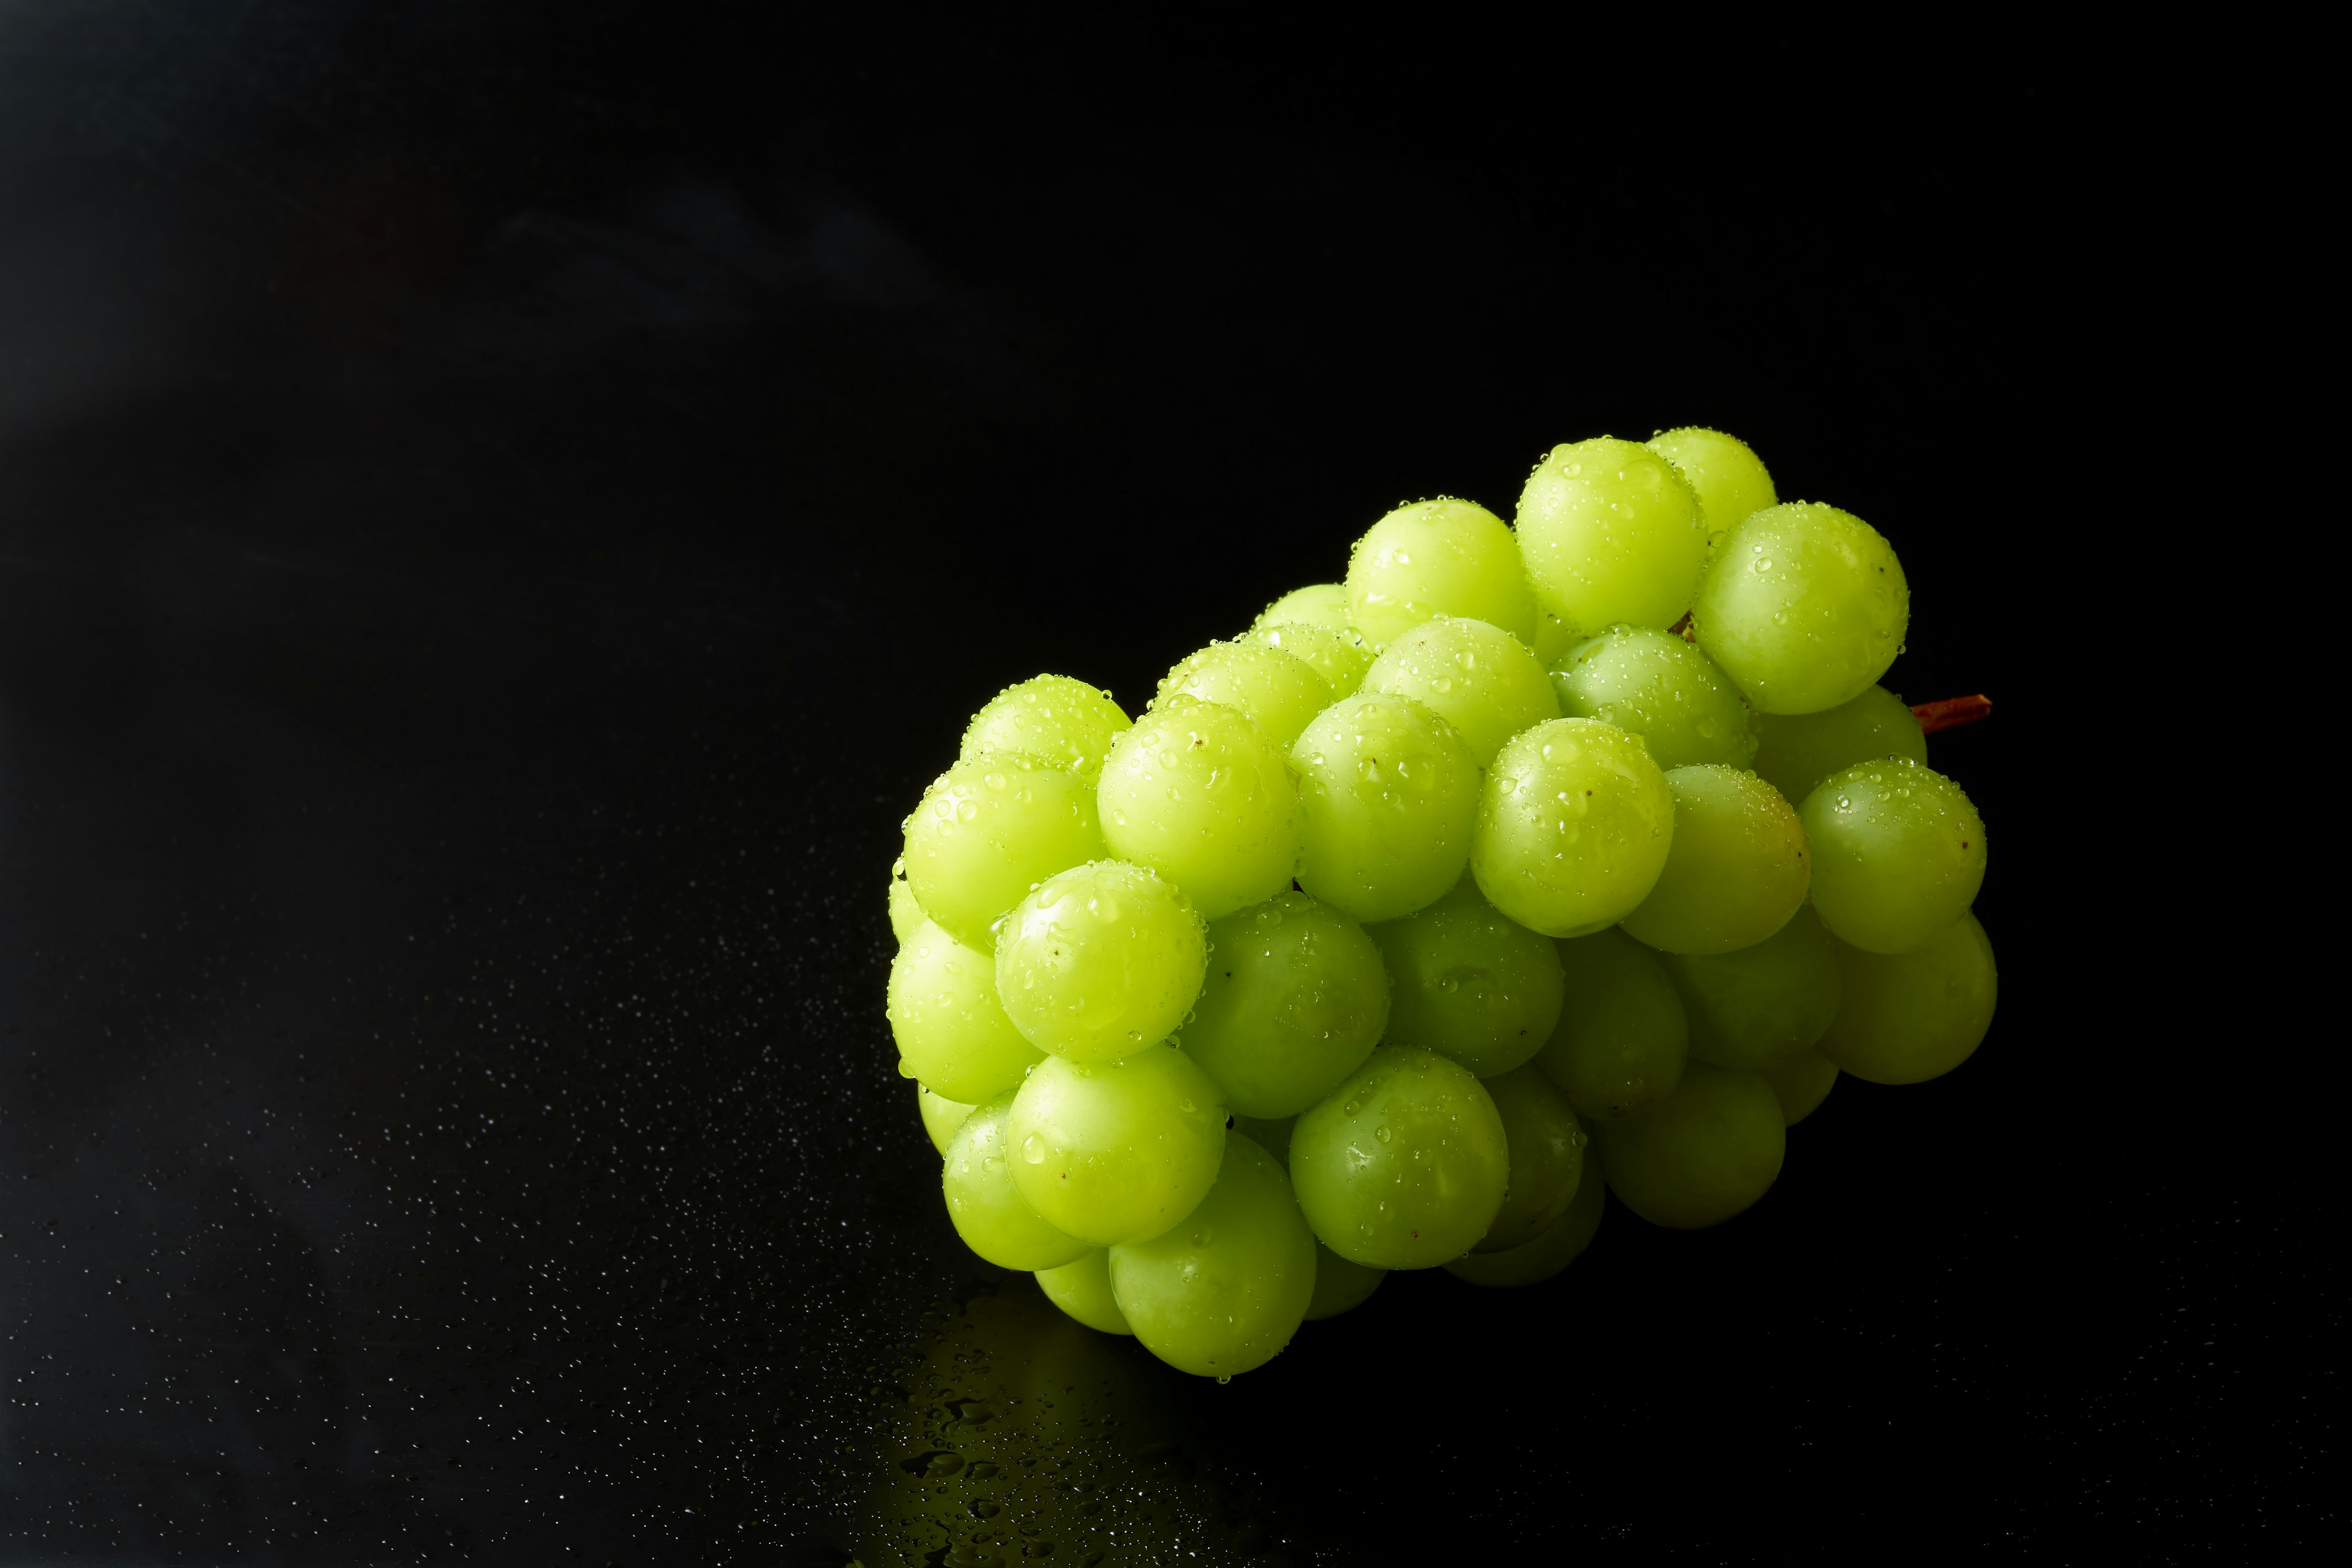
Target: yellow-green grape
1763,1004
1116,1151
1340,1285
1278,690
1083,1291
1730,477
1655,685
1467,980
1574,824
1546,1152
1554,638
1700,1155
1611,533
1296,1000
1316,605
1560,1244
1341,656
1914,1015
953,1032
1438,557
1898,854
1202,795
1404,1164
907,916
1795,752
989,829
1474,675
987,1208
1390,792
1052,718
940,1116
1805,606
1100,962
1800,1084
1737,868
1622,1035
1223,1292
1272,1136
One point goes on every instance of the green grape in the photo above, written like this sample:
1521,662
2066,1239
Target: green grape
1477,676
1470,983
1100,962
1611,533
1737,871
953,1032
1441,557
1199,792
1340,656
1764,1003
1795,752
1116,1151
1898,854
1800,1084
1052,718
1574,825
940,1116
1316,605
1554,638
1390,792
1911,1016
1272,1136
1805,606
1700,1155
1547,1154
986,1205
1623,1037
1278,690
1730,477
1340,1285
907,916
1223,1292
1083,1291
988,830
1294,1001
1559,1245
1404,1164
1655,685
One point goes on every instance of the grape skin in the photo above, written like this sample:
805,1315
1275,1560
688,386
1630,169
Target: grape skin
1804,608
1729,478
940,1116
1404,1164
1339,1286
950,1029
1898,854
1546,1158
1295,999
1801,1083
1100,962
1623,1036
1201,795
986,1206
988,830
1475,676
1316,605
1736,871
1914,1015
1573,828
1795,752
1441,557
1559,1245
1117,1152
1278,689
1083,1291
1611,533
1052,718
1340,656
1763,1004
1703,1153
1655,685
1470,983
1389,793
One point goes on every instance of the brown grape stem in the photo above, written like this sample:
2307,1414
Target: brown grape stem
1950,711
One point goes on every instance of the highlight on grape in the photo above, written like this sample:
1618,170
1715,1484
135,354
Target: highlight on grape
1528,860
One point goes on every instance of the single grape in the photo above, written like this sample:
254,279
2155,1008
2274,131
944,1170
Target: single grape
1083,1291
940,1116
987,1208
1100,962
1911,1016
989,829
1438,557
1763,1004
1468,982
1730,477
1611,533
1700,1155
1795,752
1223,1292
1339,1286
1116,1151
1052,718
1547,1155
1279,691
953,1032
1655,685
1404,1164
1559,1245
1316,605
1573,828
1199,792
1390,792
1898,854
1274,1136
1804,608
1475,676
1737,870
906,915
1623,1037
1294,1001
1341,656
1801,1083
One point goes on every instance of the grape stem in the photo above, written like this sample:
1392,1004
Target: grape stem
1950,710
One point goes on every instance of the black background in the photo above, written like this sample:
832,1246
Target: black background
502,508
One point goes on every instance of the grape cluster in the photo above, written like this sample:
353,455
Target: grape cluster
1595,830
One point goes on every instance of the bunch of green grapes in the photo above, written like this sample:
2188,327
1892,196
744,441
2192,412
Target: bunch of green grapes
1528,864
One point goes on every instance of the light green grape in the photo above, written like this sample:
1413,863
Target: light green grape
1272,1136
1404,1164
1475,676
1764,1003
1339,1286
940,1116
1574,824
1100,962
1199,792
1052,718
987,1208
1340,656
1278,690
1547,1155
1800,1084
1438,557
989,829
1623,1037
1737,871
1898,854
1730,477
1795,752
1700,1155
953,1032
1554,638
1390,793
1914,1015
1804,608
1083,1291
1655,685
1294,1001
1223,1292
1116,1151
1468,982
1611,533
1559,1245
1316,605
907,916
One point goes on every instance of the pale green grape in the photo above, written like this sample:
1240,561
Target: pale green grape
953,1032
1083,1291
1804,608
1763,1004
1223,1292
1470,983
940,1116
1623,1037
1655,685
1475,676
1728,476
1294,1001
1100,962
1611,533
1404,1164
1341,656
1898,854
1390,792
1554,638
1547,1155
1737,871
1316,605
1795,752
1914,1015
1800,1084
1274,1136
1700,1155
1574,824
1278,690
1199,792
1438,557
1116,1151
1339,1286
1052,718
1559,1245
988,830
907,916
987,1208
